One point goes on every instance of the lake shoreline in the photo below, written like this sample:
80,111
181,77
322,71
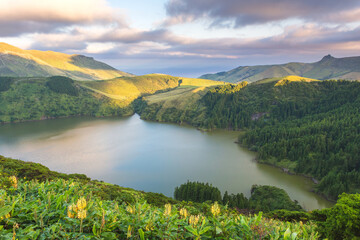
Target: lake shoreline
289,172
196,148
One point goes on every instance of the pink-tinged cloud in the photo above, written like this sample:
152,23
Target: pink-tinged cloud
238,13
27,16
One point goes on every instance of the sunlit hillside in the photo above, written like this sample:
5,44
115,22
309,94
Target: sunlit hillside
130,88
293,78
34,63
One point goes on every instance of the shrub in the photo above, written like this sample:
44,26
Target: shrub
63,85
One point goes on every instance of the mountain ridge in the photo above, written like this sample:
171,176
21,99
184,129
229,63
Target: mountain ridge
16,62
328,67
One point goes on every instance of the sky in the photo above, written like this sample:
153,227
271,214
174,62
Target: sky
185,37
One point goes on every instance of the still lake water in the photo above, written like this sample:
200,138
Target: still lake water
147,156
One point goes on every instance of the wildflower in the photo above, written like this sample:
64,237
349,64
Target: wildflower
130,209
103,219
81,214
71,211
6,216
184,213
215,209
13,181
15,226
81,203
167,211
128,235
149,227
194,220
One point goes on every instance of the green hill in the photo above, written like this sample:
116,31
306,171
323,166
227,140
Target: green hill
327,68
24,99
302,125
128,89
15,62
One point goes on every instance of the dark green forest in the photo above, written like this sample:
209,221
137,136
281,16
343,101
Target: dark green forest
263,198
310,128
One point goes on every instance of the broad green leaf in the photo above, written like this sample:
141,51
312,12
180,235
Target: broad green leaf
287,233
141,233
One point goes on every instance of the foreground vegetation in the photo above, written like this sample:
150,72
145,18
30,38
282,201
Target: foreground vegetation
301,125
72,206
37,203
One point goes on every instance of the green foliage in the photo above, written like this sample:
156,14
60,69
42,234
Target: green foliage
289,216
236,200
197,192
5,83
269,198
60,84
36,210
76,208
263,198
343,220
33,171
317,137
158,199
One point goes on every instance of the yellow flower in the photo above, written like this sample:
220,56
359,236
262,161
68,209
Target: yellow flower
13,181
81,214
167,211
6,216
149,227
184,212
81,203
71,211
215,209
128,235
194,220
130,209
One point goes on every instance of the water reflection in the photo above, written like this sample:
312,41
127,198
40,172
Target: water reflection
147,156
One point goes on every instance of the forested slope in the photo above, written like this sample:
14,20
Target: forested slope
312,128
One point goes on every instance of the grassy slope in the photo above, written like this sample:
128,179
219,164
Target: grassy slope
33,63
130,88
180,104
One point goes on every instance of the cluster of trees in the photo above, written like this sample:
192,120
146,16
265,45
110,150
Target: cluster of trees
5,83
235,200
60,84
197,192
263,198
270,198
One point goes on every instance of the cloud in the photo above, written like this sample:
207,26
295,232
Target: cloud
238,13
27,16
